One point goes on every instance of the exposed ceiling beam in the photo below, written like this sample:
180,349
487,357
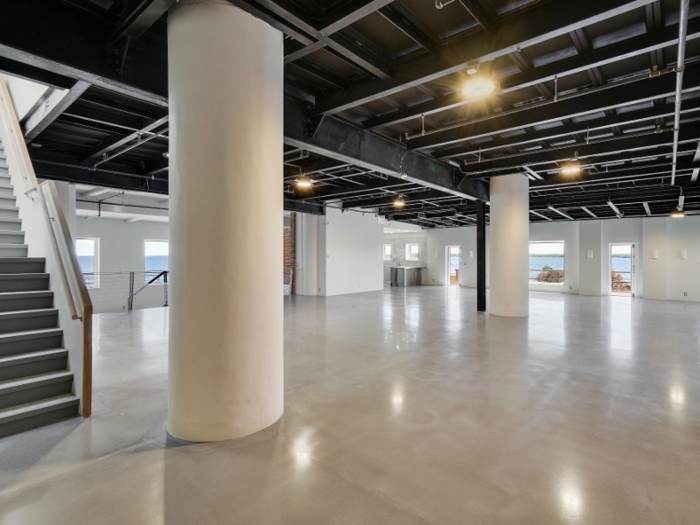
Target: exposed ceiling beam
73,43
339,140
387,200
589,212
583,103
594,126
555,210
404,20
349,13
96,191
141,18
338,43
543,22
51,109
602,56
646,208
483,13
540,215
600,148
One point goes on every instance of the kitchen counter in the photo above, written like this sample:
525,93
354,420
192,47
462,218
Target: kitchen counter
406,275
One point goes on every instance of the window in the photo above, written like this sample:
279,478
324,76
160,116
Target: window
547,262
88,258
156,259
411,252
387,252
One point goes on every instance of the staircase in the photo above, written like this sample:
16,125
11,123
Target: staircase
35,386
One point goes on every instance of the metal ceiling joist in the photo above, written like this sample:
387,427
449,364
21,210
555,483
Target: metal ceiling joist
388,200
558,133
584,103
338,43
339,140
541,23
55,104
83,53
404,20
604,147
483,13
114,144
141,18
602,56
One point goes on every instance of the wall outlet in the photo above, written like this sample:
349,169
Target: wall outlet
433,280
570,287
685,293
123,307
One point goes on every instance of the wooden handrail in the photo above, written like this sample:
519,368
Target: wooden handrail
25,163
57,252
84,299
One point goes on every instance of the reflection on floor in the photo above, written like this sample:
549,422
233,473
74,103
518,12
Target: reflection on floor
402,406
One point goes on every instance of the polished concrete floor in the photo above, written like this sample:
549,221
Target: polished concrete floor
403,406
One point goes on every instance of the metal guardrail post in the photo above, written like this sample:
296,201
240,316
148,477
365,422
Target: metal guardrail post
131,291
165,288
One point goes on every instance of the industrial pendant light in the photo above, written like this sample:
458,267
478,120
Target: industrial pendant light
303,182
399,202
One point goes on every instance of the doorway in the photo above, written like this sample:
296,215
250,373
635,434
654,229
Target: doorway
453,258
622,269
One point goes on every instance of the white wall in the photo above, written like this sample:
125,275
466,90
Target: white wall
121,249
350,253
668,277
398,242
438,241
590,270
683,276
24,94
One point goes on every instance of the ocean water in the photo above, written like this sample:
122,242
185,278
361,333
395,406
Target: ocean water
157,263
154,263
619,264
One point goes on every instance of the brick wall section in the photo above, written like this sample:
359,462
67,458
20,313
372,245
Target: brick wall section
290,250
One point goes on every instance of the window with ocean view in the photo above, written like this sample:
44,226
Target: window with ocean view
88,258
547,262
156,259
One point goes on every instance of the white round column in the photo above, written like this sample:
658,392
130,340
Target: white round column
509,241
225,75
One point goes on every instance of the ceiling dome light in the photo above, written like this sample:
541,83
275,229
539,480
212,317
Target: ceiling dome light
399,202
479,87
303,182
571,169
677,214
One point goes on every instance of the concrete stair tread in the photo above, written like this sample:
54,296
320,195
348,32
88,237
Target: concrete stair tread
21,259
24,383
10,232
25,295
19,314
36,408
6,207
15,276
8,245
30,357
30,334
